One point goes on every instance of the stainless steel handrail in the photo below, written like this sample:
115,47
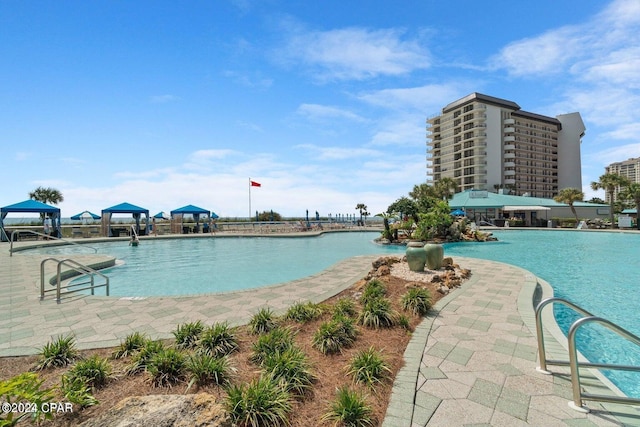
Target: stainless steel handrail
540,332
573,362
48,236
578,395
83,270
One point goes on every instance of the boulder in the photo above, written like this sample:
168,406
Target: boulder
191,410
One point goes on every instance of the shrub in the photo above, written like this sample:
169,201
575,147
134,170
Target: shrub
332,336
262,402
262,322
167,367
206,369
350,409
374,289
142,358
404,323
188,334
277,340
377,313
26,387
303,312
217,340
417,301
131,344
94,371
60,352
292,367
344,307
77,391
368,367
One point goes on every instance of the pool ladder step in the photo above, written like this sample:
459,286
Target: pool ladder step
579,396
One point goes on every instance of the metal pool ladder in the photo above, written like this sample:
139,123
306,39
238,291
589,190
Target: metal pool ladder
78,270
578,395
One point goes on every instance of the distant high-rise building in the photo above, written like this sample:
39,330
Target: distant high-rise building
629,169
488,143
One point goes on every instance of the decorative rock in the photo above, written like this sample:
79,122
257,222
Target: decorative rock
410,285
383,270
164,411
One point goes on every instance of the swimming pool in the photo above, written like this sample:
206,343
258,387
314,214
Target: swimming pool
162,267
595,270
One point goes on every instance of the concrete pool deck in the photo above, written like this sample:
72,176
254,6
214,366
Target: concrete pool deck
471,362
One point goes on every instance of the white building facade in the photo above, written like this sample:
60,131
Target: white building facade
488,143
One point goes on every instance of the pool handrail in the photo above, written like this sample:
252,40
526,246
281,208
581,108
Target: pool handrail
573,362
48,236
81,269
578,395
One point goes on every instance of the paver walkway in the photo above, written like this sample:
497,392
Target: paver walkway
471,363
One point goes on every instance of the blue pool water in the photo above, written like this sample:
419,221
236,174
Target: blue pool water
597,271
196,266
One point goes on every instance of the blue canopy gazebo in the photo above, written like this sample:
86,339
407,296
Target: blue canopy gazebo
191,210
136,212
31,206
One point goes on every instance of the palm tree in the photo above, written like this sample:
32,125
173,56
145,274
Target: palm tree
570,196
386,216
445,188
363,211
632,192
609,182
422,191
47,195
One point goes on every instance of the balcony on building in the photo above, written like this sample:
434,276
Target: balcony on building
509,138
509,129
509,181
509,121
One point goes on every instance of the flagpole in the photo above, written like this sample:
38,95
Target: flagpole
249,218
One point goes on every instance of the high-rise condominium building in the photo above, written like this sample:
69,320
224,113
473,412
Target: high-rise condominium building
488,143
629,169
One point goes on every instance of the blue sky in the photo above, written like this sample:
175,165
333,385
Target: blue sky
163,104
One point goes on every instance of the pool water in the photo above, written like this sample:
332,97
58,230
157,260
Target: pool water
597,271
164,267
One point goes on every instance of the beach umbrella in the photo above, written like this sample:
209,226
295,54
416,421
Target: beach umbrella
85,216
213,215
161,215
458,212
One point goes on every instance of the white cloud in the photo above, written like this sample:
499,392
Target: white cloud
255,80
424,98
338,153
356,53
545,54
617,154
408,131
324,112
